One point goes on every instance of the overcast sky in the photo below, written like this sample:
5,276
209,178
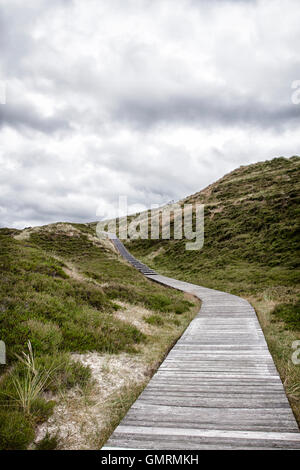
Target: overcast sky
153,99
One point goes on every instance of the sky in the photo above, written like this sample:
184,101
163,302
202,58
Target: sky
149,99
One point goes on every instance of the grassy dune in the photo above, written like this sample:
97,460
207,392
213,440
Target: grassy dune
98,329
66,292
251,248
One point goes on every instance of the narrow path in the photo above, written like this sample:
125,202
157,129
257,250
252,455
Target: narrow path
218,388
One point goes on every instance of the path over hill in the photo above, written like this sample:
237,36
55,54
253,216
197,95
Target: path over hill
218,388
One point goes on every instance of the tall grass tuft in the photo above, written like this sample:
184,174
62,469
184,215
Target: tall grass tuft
28,387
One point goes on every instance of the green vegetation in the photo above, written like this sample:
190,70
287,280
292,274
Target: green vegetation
39,302
48,443
251,249
155,320
16,431
65,292
289,314
251,241
59,290
23,404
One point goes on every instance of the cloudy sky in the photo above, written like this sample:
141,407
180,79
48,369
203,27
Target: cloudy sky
152,99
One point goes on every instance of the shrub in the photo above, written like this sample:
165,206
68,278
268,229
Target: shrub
289,314
16,430
47,443
45,337
182,306
154,320
67,373
27,381
159,302
104,334
42,409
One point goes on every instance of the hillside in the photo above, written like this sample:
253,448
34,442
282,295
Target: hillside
251,248
97,328
251,223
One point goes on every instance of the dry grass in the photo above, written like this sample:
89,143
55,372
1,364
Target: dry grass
135,314
30,387
81,419
86,420
280,342
155,253
64,289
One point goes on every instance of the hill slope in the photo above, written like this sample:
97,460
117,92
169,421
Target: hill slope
251,248
251,236
88,315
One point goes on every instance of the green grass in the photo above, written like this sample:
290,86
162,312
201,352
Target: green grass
23,403
251,248
251,242
16,431
289,314
60,314
48,443
39,302
155,320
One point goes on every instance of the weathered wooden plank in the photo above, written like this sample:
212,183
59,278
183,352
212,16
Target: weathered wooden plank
207,433
216,403
147,410
184,438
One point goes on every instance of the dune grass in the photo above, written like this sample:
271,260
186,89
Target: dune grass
251,248
58,313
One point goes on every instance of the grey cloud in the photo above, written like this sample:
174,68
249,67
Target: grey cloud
153,99
219,109
21,117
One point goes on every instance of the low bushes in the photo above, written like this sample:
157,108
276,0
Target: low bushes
289,314
22,394
16,430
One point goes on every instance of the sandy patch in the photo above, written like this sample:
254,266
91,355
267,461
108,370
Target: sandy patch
71,271
104,243
135,314
25,234
70,231
65,228
216,211
80,418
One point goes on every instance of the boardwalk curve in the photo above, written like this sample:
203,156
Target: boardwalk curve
218,388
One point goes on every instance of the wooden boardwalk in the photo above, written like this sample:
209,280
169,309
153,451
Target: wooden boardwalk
218,388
